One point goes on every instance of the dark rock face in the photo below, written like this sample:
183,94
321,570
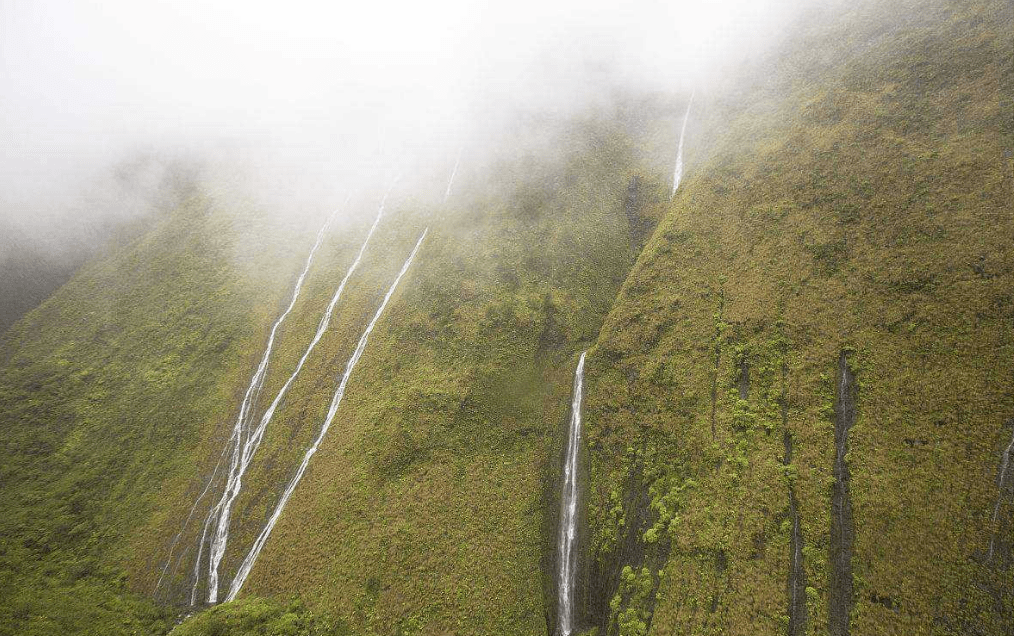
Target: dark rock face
605,570
842,528
1000,550
796,584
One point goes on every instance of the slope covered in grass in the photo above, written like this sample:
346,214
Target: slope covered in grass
851,202
859,201
424,505
101,386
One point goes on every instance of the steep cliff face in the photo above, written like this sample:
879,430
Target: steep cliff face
853,195
871,211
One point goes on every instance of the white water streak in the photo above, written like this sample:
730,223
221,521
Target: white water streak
678,173
253,390
325,322
450,182
236,465
251,557
249,447
1001,482
566,547
200,550
190,515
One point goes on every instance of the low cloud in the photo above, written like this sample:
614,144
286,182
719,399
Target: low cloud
317,97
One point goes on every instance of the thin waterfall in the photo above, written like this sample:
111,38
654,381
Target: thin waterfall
220,539
1001,481
214,472
251,557
325,322
567,543
450,182
252,392
186,521
678,172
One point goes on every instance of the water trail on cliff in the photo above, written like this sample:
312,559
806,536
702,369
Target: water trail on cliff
224,509
450,182
251,557
840,599
1001,482
250,397
567,543
190,515
678,172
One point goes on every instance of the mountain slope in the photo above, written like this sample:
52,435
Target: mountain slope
868,223
442,437
101,384
129,407
827,294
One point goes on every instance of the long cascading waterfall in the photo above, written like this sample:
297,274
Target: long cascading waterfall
1001,482
252,392
567,541
219,516
221,537
251,557
678,171
244,451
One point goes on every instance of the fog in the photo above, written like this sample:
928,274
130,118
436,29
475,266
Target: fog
316,98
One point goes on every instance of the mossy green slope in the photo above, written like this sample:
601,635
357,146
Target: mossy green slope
868,211
423,509
101,387
856,196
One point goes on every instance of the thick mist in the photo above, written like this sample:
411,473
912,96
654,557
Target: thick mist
109,107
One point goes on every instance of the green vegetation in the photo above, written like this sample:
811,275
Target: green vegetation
261,617
854,195
101,387
117,418
855,217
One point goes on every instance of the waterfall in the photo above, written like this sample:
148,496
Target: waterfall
251,557
186,521
251,395
325,322
567,543
1001,481
224,508
678,173
450,182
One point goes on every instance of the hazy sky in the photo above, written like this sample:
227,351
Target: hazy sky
325,90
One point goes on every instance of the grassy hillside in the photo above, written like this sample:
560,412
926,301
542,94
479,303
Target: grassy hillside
869,213
120,391
846,214
100,387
